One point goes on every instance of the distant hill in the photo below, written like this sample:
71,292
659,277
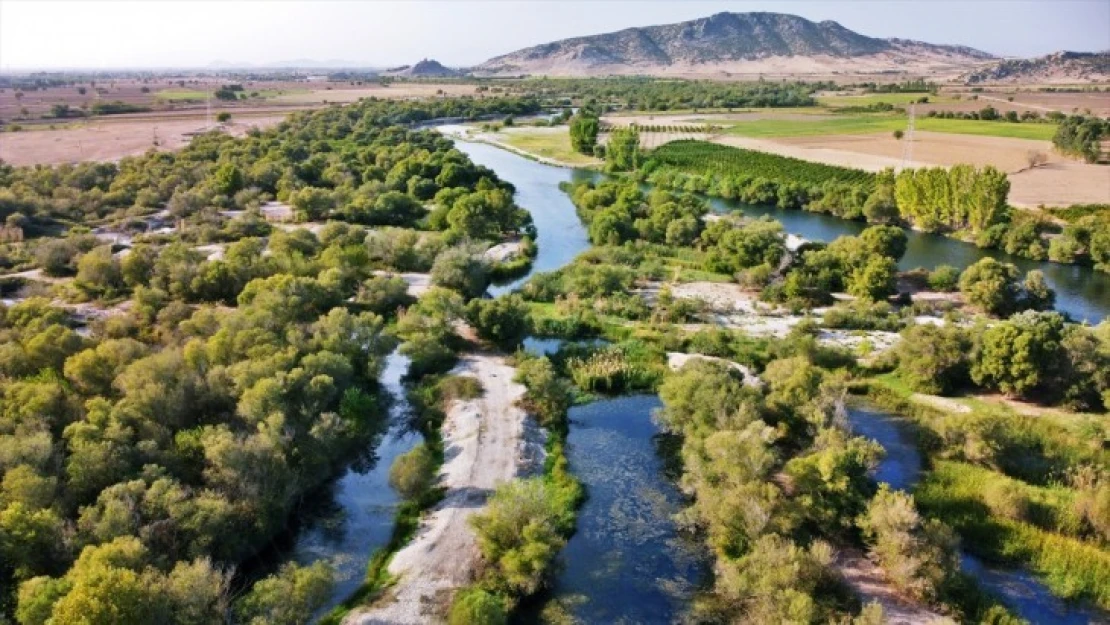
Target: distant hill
731,42
427,68
1058,67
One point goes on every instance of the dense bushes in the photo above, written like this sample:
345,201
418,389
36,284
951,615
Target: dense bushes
772,560
1081,137
1031,355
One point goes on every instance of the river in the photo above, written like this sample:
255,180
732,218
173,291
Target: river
628,558
354,517
627,562
1081,291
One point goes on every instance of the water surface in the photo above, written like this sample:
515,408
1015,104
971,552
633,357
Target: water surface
560,234
628,562
351,519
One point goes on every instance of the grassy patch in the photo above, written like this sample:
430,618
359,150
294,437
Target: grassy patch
180,95
876,98
1072,568
872,124
546,143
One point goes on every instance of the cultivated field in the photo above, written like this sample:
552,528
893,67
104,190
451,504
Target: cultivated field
112,139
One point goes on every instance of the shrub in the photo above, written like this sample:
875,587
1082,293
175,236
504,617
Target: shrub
412,473
475,606
945,278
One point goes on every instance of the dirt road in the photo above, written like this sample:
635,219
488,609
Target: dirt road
486,442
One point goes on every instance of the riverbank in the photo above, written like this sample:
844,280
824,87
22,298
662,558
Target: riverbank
486,441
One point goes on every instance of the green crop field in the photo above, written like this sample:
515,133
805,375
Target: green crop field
870,124
701,157
178,95
875,98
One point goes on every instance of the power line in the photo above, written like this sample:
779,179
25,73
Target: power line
907,140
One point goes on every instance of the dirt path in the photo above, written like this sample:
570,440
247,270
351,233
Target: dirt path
868,581
486,442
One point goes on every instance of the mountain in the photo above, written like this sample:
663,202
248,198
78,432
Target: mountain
731,42
1058,67
427,68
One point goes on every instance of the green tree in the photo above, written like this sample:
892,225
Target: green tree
915,553
934,359
876,280
461,270
518,533
413,472
1020,355
504,321
623,150
583,132
288,597
991,286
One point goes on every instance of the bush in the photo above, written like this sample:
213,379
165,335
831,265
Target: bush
934,359
412,473
504,321
945,278
475,606
916,554
520,533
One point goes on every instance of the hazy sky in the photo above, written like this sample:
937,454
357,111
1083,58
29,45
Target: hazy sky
169,33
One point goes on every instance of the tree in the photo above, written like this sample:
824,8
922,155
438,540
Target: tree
412,473
898,134
504,321
289,597
934,359
583,132
889,241
944,278
623,151
991,285
461,270
99,273
55,256
876,280
1020,355
223,117
228,179
518,532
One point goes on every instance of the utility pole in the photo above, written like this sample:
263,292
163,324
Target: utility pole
907,140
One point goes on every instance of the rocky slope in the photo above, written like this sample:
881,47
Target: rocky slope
427,68
1059,67
730,42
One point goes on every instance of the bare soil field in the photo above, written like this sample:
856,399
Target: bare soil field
113,139
1060,182
396,91
171,93
487,441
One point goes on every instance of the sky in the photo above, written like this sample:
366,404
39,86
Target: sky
378,33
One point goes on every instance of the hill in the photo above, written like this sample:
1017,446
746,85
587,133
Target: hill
732,42
427,68
1058,67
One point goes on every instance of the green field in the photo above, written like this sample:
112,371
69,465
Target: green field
179,95
876,98
546,143
870,124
